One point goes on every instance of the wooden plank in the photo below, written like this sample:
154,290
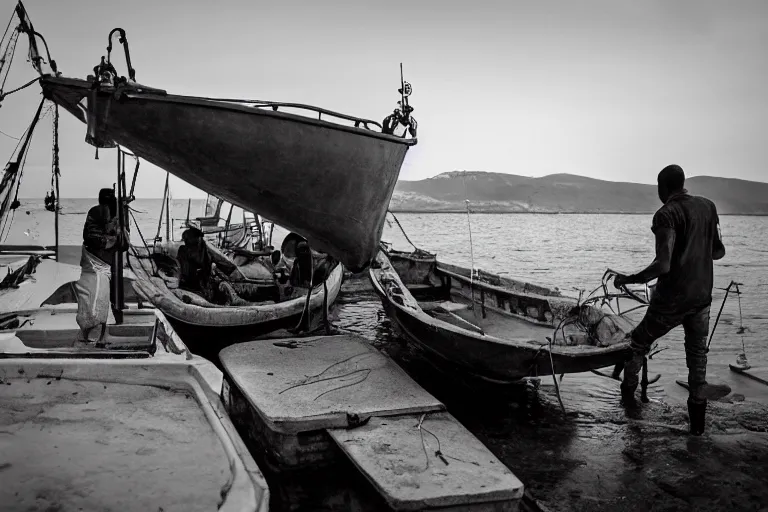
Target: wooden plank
429,462
500,289
757,374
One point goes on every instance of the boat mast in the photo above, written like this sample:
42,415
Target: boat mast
168,211
118,292
57,202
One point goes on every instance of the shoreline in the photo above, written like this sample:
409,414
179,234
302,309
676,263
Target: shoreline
526,212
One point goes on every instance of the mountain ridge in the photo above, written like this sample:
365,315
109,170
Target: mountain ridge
565,193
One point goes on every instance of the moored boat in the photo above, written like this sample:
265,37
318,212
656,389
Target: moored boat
207,328
81,418
328,181
493,328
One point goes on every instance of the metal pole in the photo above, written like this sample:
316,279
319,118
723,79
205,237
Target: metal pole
168,212
57,204
118,302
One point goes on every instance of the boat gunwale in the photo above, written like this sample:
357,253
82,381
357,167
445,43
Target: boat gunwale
231,105
337,274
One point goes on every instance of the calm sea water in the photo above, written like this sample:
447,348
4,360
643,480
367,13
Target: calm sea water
596,454
565,251
573,251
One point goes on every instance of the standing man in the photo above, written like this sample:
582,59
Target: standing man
687,231
102,239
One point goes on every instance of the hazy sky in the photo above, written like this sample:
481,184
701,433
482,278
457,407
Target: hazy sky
612,89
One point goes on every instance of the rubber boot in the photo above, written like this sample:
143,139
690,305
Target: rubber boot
715,391
696,415
628,397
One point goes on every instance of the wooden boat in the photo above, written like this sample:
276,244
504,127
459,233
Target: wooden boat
101,415
493,328
253,232
207,328
327,181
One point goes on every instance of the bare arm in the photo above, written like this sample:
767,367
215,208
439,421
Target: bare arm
665,243
718,249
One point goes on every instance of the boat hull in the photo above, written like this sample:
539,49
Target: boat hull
328,182
208,330
485,357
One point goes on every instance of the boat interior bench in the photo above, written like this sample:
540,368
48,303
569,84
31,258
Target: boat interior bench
51,329
314,401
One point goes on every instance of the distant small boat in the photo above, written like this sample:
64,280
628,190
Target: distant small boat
493,328
247,234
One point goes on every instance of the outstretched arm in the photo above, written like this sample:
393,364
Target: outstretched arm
665,243
718,249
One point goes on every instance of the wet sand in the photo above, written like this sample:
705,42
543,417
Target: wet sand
78,445
598,458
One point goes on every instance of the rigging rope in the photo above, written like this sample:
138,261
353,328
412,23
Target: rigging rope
13,174
3,95
7,27
9,136
8,54
154,271
403,231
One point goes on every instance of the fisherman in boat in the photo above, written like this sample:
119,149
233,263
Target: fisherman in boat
301,273
688,239
205,275
308,269
198,273
102,239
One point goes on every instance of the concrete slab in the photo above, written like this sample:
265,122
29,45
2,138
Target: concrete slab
422,463
321,382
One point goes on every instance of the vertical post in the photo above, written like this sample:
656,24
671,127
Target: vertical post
118,300
168,211
162,209
57,203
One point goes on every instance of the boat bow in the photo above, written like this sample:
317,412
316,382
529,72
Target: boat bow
327,181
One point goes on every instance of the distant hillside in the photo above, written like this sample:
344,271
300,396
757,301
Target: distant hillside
496,192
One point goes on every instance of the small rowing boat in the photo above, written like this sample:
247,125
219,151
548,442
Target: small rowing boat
490,327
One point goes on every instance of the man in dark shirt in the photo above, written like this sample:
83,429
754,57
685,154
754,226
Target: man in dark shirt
194,261
199,275
102,236
102,239
687,231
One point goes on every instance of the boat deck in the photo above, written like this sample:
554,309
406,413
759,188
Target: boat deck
31,293
88,434
53,329
493,323
314,401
